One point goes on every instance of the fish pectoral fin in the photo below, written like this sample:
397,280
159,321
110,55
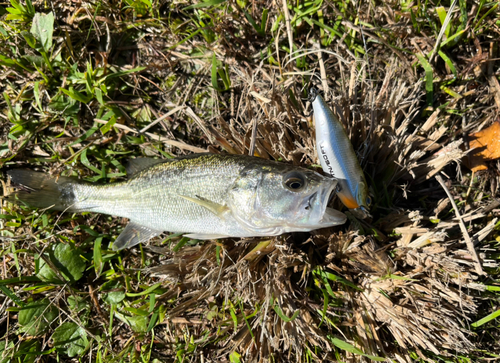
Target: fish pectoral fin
218,209
205,236
134,234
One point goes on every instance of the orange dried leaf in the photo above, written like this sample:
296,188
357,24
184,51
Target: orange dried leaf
486,145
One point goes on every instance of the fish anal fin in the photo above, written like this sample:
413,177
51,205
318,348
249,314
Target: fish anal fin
139,164
134,234
218,209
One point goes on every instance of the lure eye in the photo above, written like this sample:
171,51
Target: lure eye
295,182
313,92
368,201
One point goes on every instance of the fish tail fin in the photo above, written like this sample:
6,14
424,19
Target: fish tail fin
39,190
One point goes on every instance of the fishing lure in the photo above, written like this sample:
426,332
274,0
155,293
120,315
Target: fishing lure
338,159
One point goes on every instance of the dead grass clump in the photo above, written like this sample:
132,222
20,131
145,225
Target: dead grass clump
251,283
414,290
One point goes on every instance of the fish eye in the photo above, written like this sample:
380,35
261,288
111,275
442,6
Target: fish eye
295,181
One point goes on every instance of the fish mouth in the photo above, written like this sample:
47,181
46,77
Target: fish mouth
333,217
329,216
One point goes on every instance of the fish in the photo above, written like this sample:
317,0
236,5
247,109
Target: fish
205,196
338,159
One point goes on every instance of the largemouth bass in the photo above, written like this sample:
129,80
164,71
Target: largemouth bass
338,159
207,196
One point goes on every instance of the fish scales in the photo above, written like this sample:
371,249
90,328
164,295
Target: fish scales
159,205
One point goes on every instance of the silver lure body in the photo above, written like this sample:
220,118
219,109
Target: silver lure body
207,195
338,159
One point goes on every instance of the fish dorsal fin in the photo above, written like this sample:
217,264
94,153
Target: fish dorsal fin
218,209
139,164
132,235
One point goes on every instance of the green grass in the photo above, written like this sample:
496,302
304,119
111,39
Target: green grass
80,80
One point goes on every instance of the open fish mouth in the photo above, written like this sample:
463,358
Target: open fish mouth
330,216
333,217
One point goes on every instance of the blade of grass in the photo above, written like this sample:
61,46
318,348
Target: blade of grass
205,4
11,296
429,78
486,319
448,62
145,292
352,349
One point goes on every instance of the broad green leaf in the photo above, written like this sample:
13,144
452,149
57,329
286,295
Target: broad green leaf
66,258
61,102
46,273
136,311
38,62
36,316
80,308
69,261
139,324
42,28
113,297
234,357
140,6
70,339
143,114
30,38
